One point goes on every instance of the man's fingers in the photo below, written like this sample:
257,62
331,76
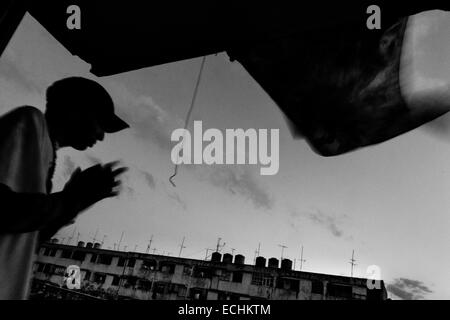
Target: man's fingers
119,171
111,165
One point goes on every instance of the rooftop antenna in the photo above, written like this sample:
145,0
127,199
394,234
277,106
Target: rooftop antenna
120,241
103,240
72,236
352,262
78,237
115,244
181,247
232,251
282,250
207,250
257,252
94,239
154,250
149,244
219,246
301,260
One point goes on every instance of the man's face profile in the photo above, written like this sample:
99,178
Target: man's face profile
82,130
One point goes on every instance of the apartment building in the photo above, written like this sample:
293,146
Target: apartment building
132,275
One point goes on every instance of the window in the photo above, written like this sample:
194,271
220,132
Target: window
167,268
145,285
87,275
50,252
339,291
105,259
259,279
237,277
288,284
187,270
202,272
59,270
181,291
40,267
148,265
131,281
66,254
116,281
79,255
46,268
49,269
225,275
121,262
94,258
131,263
317,287
99,277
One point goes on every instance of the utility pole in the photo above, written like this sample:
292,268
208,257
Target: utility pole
352,262
301,260
149,244
181,247
282,250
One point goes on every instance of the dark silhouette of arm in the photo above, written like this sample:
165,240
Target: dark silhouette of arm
27,212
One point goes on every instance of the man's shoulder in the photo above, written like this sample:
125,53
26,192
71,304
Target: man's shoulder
28,115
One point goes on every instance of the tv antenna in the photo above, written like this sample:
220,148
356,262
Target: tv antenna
301,260
149,244
282,250
219,246
181,247
352,262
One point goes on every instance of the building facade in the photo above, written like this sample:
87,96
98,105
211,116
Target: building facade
132,275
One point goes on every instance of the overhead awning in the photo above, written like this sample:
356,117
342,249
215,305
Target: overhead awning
301,55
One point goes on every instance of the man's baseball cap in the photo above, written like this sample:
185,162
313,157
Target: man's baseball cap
87,96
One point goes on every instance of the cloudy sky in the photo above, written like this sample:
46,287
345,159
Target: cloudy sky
390,203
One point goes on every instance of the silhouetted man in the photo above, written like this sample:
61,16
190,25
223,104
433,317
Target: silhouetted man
78,113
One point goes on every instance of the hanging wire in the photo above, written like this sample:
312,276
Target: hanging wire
188,116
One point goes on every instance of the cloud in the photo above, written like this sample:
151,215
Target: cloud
149,179
331,223
174,196
151,122
147,119
408,289
240,181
